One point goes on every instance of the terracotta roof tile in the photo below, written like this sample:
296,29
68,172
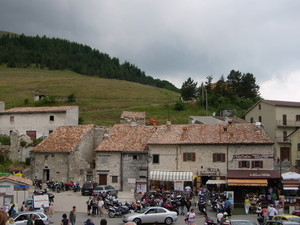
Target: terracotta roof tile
243,133
17,179
133,115
38,109
282,103
123,137
63,139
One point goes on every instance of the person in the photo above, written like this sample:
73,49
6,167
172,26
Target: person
264,212
89,205
191,217
188,204
220,216
39,222
94,207
88,222
188,189
227,206
258,209
272,211
103,222
12,210
247,205
65,220
30,220
23,206
42,209
72,215
3,217
100,206
10,222
182,204
51,212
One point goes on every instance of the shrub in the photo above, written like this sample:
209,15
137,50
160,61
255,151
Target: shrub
179,106
4,139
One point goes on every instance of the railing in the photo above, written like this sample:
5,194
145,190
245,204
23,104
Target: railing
288,123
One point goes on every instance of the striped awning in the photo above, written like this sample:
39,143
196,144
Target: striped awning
171,175
216,182
248,182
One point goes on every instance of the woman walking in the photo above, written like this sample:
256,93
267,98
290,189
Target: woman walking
191,217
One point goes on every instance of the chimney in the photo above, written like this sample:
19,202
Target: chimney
2,106
225,128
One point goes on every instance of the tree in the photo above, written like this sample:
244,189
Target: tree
189,89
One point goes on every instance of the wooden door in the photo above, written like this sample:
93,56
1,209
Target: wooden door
103,179
284,119
285,153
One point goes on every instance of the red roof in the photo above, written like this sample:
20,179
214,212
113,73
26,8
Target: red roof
16,179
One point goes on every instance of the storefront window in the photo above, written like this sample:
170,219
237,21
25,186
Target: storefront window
257,164
244,164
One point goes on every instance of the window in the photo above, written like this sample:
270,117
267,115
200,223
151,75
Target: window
103,158
284,119
297,117
11,119
50,131
259,119
298,146
46,157
51,118
257,164
155,159
218,157
114,179
81,172
244,164
298,163
284,135
259,106
189,156
135,157
251,120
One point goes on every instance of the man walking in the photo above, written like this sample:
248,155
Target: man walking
72,215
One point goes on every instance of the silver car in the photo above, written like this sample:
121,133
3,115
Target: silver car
151,215
21,218
105,189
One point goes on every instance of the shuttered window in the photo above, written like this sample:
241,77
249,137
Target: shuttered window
244,164
189,156
257,164
219,157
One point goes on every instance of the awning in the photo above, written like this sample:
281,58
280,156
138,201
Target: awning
216,182
248,182
290,188
171,175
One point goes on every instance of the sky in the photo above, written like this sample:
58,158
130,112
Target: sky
177,39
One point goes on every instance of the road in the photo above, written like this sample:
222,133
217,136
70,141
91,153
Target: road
64,202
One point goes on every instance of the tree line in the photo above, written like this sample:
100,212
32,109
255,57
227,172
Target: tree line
239,91
58,54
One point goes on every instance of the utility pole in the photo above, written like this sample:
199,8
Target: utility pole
206,103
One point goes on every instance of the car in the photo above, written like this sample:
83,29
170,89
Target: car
287,217
105,189
87,188
151,215
296,212
242,222
21,218
280,222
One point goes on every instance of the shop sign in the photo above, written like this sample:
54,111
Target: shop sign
253,156
210,172
178,185
20,187
6,189
258,174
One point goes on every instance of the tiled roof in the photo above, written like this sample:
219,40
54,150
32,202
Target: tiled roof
133,115
63,139
282,103
38,109
243,133
123,137
17,179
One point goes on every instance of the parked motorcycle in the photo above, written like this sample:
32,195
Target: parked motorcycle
114,211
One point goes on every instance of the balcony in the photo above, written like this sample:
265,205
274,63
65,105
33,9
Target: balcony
282,140
288,123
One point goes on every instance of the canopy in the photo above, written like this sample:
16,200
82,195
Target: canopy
290,176
248,182
216,182
171,175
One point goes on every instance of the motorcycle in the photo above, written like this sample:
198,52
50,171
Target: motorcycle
114,211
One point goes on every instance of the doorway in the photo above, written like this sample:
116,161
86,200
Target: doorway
46,175
102,179
285,153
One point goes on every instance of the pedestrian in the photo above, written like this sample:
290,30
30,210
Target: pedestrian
30,220
42,209
10,221
39,222
182,204
89,205
88,222
227,207
258,209
65,220
220,216
100,206
191,217
264,213
94,207
103,222
247,205
272,211
3,217
23,207
51,212
12,210
72,215
188,204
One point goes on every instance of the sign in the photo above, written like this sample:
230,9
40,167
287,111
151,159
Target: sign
131,181
210,172
39,200
253,156
20,187
6,189
259,174
178,185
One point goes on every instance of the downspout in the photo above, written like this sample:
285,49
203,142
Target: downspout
68,171
121,172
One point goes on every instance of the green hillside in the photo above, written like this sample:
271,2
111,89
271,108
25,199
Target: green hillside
101,101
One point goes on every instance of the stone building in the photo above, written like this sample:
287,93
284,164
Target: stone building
36,122
67,154
121,158
137,118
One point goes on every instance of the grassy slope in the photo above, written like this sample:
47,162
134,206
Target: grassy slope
100,101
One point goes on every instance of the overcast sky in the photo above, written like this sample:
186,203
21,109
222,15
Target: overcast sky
177,39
